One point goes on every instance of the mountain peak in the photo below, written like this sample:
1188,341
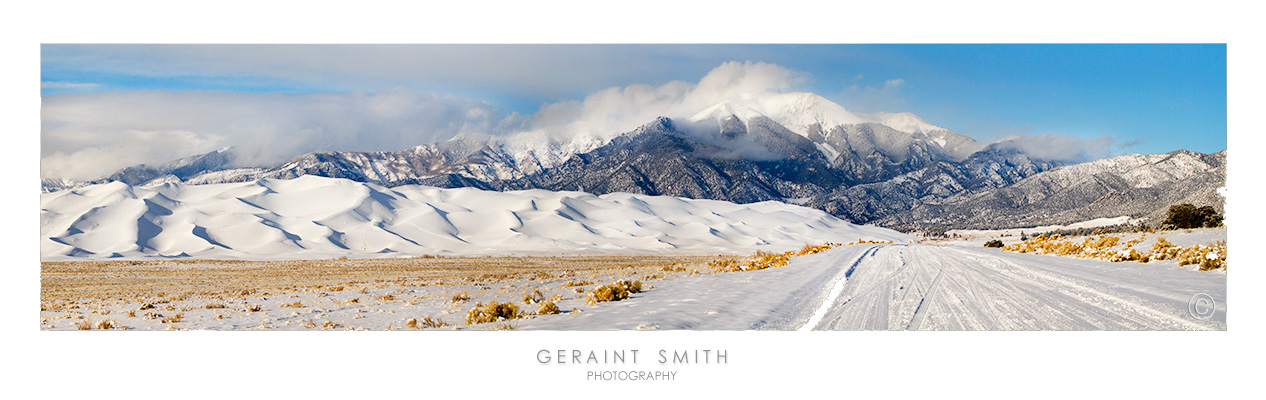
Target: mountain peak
800,111
905,122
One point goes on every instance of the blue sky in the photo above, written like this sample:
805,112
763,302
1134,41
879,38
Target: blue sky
1146,98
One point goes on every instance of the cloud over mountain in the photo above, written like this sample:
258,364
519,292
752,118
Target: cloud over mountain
90,135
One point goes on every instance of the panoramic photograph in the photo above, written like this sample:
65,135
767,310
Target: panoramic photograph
599,187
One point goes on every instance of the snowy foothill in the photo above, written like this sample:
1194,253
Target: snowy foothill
313,217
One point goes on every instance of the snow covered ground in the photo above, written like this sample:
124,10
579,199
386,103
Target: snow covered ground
919,287
876,287
319,218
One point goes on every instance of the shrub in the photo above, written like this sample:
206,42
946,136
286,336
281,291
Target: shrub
725,265
617,291
768,260
427,322
1187,216
1209,218
547,308
994,243
492,312
459,297
214,305
534,297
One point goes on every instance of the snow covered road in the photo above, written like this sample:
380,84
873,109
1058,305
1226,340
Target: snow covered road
920,287
941,288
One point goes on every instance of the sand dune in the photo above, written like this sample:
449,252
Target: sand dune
313,217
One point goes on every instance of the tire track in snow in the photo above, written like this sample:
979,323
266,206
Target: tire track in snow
836,289
915,287
921,312
1095,296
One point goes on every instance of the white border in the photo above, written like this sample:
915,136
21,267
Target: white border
484,364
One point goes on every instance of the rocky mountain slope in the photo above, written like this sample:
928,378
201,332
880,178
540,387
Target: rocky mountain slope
1130,185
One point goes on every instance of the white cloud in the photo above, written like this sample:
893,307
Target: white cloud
1060,147
617,110
68,85
89,135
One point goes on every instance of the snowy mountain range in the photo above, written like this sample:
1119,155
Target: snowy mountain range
895,170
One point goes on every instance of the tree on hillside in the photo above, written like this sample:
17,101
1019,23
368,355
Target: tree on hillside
1187,216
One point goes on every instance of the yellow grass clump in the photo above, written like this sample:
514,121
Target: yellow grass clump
617,291
1105,247
459,297
865,241
492,312
534,297
548,307
765,260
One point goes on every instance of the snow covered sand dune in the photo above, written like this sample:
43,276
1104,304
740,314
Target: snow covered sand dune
313,217
919,287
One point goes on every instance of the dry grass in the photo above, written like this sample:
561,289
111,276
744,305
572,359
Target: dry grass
173,318
296,304
426,322
1105,247
534,297
725,265
616,291
460,297
765,260
863,241
492,312
547,308
211,306
166,280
